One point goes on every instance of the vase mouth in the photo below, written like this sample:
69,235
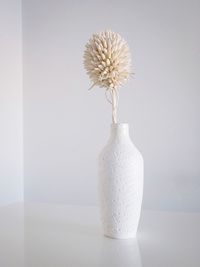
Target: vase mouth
121,124
119,130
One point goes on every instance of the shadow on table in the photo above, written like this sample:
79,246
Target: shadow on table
65,243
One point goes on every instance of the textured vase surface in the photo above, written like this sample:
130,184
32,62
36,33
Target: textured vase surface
120,184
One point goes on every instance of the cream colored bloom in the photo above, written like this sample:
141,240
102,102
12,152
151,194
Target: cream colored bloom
107,60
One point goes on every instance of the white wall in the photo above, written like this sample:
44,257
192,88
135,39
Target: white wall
65,126
11,184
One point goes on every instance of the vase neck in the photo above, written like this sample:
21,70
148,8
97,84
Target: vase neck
120,131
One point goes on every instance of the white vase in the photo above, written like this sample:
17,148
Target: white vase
120,184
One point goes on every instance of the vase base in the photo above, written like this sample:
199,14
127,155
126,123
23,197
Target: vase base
121,236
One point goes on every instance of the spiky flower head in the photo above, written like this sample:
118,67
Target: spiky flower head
107,60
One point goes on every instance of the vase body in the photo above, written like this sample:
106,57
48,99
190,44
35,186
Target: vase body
120,184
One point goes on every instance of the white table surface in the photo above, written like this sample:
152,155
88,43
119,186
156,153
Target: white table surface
44,235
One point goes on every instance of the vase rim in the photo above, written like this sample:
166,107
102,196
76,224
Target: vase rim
119,124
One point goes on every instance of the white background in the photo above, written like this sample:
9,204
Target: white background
65,126
11,183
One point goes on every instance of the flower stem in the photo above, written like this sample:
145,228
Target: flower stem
114,105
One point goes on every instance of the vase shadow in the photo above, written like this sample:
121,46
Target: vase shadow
72,244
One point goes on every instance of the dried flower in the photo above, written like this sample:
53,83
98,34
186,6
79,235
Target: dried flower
107,61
